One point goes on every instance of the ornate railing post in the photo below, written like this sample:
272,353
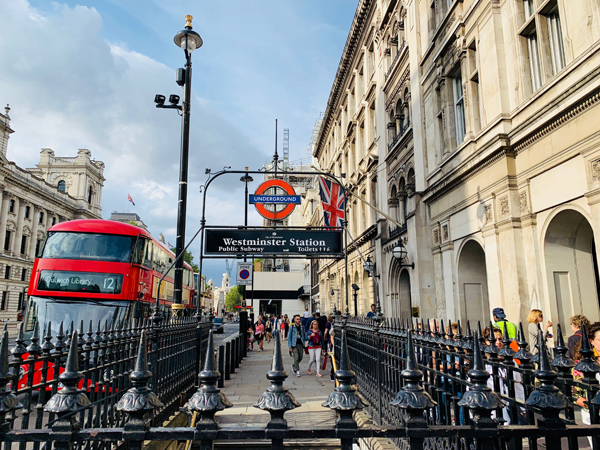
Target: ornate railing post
68,400
344,399
276,399
547,398
8,401
208,400
413,399
138,400
481,400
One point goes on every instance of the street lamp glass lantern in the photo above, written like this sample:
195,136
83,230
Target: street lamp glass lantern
369,266
399,252
187,38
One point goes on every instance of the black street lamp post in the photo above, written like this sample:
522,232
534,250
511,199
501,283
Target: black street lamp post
189,41
248,179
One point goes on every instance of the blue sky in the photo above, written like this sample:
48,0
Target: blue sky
83,74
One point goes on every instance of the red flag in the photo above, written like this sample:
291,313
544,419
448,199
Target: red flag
130,199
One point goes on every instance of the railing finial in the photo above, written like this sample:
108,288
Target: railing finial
277,399
344,399
70,398
8,400
412,397
547,397
480,399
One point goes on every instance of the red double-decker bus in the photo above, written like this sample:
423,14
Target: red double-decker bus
101,270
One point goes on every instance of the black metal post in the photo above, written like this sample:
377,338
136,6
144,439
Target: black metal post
183,177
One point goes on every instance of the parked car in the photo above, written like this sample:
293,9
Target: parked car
217,325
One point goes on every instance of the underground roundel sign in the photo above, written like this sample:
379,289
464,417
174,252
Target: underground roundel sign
279,195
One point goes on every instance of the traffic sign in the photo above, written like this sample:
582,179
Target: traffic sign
261,198
244,274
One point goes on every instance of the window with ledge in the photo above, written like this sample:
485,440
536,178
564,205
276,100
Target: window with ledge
62,186
7,237
473,65
23,274
459,108
4,303
528,8
23,244
27,211
54,221
371,61
11,206
41,220
557,52
7,271
535,67
38,246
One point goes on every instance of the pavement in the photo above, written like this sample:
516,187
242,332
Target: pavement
249,382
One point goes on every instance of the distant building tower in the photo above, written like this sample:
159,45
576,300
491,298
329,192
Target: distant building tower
80,176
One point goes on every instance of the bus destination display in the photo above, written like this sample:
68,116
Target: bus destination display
96,283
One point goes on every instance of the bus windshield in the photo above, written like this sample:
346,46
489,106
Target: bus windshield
44,310
90,246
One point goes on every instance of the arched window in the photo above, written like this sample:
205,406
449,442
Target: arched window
90,195
62,186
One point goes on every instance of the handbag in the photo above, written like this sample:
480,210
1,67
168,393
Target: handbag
324,365
306,350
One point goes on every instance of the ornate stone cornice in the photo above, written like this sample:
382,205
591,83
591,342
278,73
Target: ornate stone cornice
358,30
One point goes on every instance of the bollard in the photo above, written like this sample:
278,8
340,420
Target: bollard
234,351
222,365
228,360
237,351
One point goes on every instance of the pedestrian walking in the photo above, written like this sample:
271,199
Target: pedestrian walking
259,333
268,330
537,317
577,321
309,321
282,328
296,339
250,333
502,323
581,397
315,342
286,321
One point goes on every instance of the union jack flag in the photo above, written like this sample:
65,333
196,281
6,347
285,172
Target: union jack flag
334,203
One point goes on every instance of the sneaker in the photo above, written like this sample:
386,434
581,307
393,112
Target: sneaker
298,373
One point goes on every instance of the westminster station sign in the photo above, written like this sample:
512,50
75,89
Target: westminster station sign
271,241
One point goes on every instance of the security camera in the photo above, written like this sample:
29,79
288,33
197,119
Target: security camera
174,99
159,100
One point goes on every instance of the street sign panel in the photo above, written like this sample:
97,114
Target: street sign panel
244,274
272,241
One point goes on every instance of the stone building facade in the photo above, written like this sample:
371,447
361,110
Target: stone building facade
473,125
57,190
348,147
506,96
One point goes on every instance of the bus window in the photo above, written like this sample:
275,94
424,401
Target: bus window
148,256
88,246
140,250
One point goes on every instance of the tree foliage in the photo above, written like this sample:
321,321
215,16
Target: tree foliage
188,258
234,297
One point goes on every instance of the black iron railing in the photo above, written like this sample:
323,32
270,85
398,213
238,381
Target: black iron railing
426,389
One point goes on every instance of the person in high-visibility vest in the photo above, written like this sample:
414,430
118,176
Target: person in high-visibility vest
502,323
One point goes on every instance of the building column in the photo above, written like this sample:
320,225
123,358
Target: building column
34,230
4,217
20,211
593,198
402,199
452,312
514,276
